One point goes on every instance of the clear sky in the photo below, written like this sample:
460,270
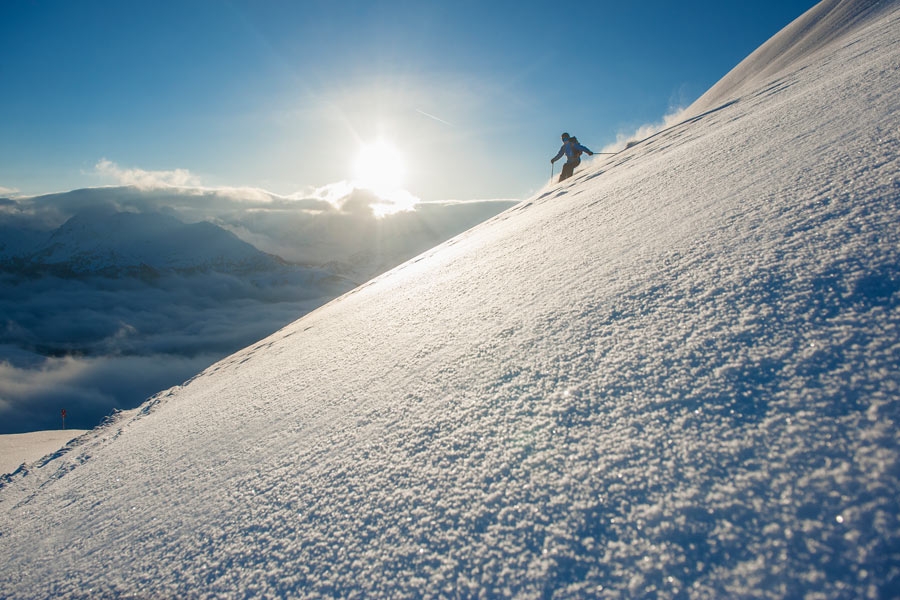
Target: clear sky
280,95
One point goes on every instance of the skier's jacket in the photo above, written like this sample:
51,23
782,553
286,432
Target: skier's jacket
572,149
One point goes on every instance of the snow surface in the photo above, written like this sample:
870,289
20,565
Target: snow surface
673,376
17,449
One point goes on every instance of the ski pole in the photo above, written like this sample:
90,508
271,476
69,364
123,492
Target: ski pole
551,171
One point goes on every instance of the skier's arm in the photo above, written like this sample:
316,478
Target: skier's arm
585,149
559,154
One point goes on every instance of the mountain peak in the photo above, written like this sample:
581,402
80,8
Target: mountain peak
104,240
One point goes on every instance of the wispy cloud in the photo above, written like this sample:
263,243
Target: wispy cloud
145,179
346,196
431,116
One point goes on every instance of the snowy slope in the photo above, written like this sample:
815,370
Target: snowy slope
813,36
674,376
19,448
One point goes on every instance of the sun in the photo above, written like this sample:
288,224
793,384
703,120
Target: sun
379,166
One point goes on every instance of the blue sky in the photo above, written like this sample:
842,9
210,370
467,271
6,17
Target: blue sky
280,95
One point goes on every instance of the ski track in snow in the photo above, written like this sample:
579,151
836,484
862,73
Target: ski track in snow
673,376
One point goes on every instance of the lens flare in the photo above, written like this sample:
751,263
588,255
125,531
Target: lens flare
379,167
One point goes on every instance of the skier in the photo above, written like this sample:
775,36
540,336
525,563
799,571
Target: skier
572,149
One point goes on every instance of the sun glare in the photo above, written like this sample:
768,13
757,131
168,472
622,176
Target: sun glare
379,166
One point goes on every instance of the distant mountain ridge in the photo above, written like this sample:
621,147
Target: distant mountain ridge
115,230
109,242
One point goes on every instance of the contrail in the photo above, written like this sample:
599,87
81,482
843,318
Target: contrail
422,112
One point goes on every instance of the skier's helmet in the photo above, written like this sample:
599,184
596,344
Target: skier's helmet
565,137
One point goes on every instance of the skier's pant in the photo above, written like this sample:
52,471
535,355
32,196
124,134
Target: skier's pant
568,169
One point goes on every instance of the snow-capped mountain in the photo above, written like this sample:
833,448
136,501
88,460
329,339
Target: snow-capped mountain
114,229
112,243
674,376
